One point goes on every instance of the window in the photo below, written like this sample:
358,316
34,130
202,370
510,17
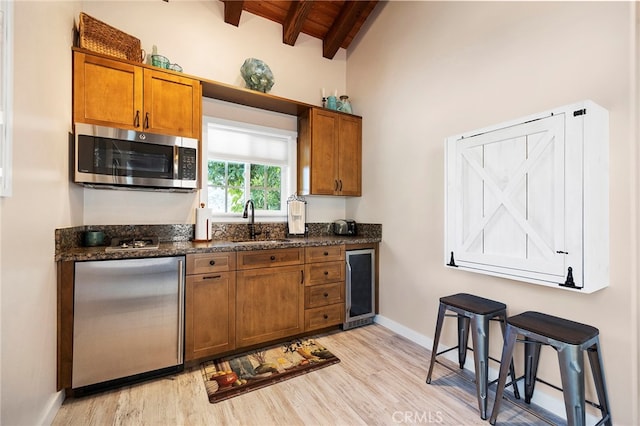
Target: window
245,162
6,94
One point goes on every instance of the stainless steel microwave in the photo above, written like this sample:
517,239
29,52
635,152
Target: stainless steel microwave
117,158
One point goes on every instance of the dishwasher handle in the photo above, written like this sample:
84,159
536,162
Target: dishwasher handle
181,290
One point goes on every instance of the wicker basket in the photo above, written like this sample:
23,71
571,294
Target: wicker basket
99,37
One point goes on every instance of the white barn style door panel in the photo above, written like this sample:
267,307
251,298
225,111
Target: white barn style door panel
528,199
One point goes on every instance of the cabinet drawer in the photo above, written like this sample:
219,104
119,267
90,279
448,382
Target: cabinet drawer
205,263
270,258
322,273
324,254
324,316
322,295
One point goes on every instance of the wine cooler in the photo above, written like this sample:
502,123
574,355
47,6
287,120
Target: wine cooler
360,290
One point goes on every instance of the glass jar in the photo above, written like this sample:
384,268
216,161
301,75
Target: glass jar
345,105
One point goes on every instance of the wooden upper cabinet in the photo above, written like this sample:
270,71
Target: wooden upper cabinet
329,153
172,104
124,95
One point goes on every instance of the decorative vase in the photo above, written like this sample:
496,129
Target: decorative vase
345,105
257,75
332,103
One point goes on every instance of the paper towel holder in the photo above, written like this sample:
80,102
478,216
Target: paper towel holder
297,198
202,221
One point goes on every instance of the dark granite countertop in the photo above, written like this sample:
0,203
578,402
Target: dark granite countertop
67,248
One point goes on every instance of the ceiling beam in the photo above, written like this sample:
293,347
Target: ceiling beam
292,25
232,11
341,27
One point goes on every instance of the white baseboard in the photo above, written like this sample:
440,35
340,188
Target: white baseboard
554,405
52,409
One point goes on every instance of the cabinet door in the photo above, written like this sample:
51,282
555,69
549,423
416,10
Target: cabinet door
324,160
106,92
510,206
254,259
209,314
323,316
206,263
171,104
270,304
324,254
349,168
324,272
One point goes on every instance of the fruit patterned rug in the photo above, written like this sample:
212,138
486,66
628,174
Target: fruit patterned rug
237,374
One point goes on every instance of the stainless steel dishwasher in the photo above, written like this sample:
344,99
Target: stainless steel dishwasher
128,320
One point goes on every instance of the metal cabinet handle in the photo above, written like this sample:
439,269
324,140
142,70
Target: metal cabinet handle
272,258
326,253
326,295
146,121
212,277
326,272
301,276
212,262
325,316
136,119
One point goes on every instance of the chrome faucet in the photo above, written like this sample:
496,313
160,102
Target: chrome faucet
252,226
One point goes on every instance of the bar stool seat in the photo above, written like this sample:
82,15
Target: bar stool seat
476,312
570,339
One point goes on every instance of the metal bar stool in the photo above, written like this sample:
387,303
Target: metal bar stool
477,312
570,339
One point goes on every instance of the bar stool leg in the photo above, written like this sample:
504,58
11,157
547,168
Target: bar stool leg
480,338
505,362
463,339
571,360
441,311
595,359
531,361
512,370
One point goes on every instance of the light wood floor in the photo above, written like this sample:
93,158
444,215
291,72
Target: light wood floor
379,381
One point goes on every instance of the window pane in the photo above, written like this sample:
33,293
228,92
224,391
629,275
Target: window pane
274,175
216,199
257,175
235,199
257,195
216,175
274,200
236,174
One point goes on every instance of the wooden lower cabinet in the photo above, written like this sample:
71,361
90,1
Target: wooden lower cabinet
324,316
269,304
210,313
237,300
324,287
210,304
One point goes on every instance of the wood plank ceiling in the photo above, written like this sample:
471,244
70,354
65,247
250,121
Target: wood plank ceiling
335,22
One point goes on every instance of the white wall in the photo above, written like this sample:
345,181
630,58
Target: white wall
194,35
42,201
458,66
191,33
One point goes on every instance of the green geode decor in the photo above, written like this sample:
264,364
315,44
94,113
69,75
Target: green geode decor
257,75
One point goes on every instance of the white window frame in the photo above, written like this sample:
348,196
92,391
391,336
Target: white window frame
289,183
6,97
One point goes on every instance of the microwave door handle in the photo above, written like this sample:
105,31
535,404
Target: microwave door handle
176,165
114,169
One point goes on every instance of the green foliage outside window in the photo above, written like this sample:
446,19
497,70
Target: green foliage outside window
227,186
